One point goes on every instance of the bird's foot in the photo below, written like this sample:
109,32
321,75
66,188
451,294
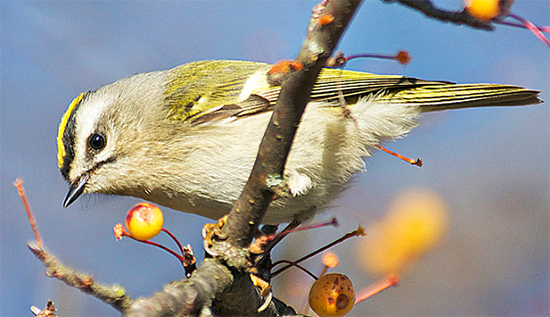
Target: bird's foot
212,231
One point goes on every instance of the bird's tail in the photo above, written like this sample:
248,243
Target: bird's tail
455,96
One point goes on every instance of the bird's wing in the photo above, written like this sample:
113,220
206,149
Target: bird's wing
197,90
211,90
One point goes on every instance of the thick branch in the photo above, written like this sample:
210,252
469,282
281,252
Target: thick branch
187,297
456,17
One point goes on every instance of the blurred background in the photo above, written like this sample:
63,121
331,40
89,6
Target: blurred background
486,172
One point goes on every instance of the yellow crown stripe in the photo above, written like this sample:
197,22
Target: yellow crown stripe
60,146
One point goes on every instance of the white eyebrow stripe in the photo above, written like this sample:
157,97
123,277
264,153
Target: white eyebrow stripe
87,116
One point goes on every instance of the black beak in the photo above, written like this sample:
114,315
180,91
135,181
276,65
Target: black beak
76,189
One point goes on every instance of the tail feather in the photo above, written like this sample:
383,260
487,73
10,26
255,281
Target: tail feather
456,96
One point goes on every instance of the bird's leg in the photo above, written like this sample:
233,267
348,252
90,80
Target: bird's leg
261,272
262,268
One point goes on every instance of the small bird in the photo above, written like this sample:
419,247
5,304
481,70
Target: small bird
187,137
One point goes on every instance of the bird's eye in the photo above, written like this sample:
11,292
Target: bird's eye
97,141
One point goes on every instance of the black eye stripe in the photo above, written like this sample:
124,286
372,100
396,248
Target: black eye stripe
97,141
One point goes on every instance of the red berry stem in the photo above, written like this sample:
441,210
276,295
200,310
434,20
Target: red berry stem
544,28
359,232
162,247
175,240
290,264
331,222
379,56
370,291
531,27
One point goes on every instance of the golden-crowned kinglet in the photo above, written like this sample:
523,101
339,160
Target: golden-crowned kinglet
187,137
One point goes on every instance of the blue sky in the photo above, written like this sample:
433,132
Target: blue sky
491,166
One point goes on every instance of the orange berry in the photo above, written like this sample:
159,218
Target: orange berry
144,221
332,295
484,10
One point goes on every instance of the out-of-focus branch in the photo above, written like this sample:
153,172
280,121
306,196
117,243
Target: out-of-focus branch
456,17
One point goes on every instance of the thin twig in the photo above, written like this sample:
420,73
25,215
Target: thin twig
21,190
290,263
387,282
359,232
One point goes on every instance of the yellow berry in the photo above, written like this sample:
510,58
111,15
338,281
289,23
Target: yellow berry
144,221
415,223
484,10
332,295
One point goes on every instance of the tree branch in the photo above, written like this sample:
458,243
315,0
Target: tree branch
187,297
112,295
267,173
456,17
